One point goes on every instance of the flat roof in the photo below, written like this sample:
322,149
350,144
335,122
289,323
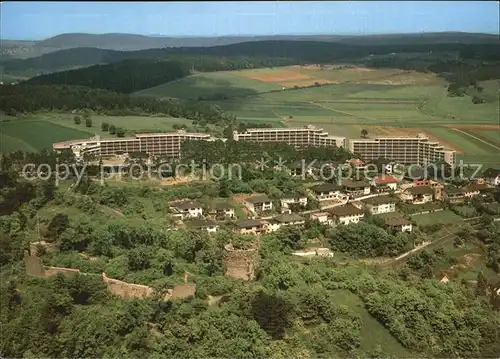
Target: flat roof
325,187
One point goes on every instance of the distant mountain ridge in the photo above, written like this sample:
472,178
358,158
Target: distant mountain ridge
134,42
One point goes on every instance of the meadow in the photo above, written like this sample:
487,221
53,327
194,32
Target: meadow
41,130
345,100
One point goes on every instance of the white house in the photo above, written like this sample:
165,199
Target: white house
258,203
271,225
322,217
492,176
347,214
209,226
188,209
417,195
293,199
399,224
356,188
328,192
385,183
290,220
380,204
224,210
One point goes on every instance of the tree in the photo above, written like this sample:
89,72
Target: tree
112,129
105,126
58,224
120,132
481,285
364,133
88,122
77,120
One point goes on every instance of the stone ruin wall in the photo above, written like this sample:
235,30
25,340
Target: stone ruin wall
241,263
35,268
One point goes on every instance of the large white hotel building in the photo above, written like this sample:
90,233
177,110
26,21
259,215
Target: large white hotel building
404,150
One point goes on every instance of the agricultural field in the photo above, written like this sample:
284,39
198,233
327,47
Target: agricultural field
444,217
42,130
206,85
35,135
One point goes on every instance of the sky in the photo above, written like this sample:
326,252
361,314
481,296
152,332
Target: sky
40,20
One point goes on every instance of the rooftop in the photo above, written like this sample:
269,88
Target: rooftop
248,223
325,187
258,199
375,201
385,179
420,190
346,210
187,205
223,205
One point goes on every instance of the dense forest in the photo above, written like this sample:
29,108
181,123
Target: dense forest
20,99
126,76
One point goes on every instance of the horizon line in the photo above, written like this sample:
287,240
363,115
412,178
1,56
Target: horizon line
157,35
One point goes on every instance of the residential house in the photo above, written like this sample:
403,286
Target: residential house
290,220
258,203
356,188
322,217
206,225
347,214
417,195
224,210
299,169
385,183
188,209
380,204
399,224
328,192
293,200
482,189
454,194
491,176
271,225
250,226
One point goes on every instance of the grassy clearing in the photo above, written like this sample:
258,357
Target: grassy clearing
372,332
205,85
444,217
131,123
466,143
35,135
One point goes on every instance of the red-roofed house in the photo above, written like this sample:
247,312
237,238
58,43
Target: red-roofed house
385,183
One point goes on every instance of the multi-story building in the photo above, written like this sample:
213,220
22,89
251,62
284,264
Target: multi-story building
294,136
161,143
404,150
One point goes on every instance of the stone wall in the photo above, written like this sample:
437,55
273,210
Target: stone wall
241,263
35,268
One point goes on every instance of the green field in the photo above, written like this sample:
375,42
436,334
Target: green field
444,217
204,85
42,130
372,332
33,135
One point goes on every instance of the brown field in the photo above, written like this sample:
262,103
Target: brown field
309,82
405,132
277,76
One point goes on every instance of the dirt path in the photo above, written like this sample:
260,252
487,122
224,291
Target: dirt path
476,138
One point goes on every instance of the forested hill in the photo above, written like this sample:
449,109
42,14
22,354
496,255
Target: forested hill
132,75
300,51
